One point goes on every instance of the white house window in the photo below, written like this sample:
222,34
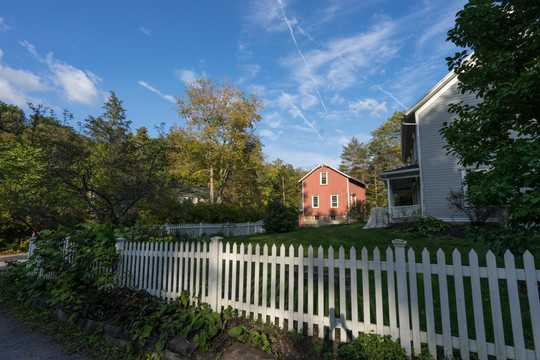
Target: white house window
334,201
315,201
324,178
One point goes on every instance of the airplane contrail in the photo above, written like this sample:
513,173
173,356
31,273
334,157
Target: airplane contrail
392,96
301,115
301,54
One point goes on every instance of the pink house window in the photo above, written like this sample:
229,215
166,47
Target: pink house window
324,178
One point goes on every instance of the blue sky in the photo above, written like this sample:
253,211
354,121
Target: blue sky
325,70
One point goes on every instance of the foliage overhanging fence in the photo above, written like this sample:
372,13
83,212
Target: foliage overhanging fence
199,230
481,310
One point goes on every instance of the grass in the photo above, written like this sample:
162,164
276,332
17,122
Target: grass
354,235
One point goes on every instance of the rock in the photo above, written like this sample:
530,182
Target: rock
378,218
181,346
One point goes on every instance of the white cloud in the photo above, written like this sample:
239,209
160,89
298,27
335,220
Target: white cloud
187,76
156,91
269,134
145,31
78,85
22,79
3,25
75,84
336,99
371,105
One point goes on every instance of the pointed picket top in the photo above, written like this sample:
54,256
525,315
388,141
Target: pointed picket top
310,251
300,251
376,252
274,249
508,257
265,249
490,256
320,252
425,252
242,250
341,252
234,248
257,249
249,249
282,250
352,252
411,252
291,251
456,255
330,253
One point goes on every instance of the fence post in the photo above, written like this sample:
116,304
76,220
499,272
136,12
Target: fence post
214,266
403,296
120,251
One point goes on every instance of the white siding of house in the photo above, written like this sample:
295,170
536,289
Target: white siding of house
439,172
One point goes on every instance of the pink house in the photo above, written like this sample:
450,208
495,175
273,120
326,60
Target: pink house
327,195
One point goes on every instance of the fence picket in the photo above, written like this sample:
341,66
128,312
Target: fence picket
292,286
460,305
331,297
233,256
428,297
282,286
394,330
496,311
365,290
265,284
354,293
241,283
378,291
532,280
515,307
273,276
445,305
310,312
342,297
415,315
300,288
257,280
320,293
249,279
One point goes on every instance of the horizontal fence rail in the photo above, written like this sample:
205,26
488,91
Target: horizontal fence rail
200,230
480,310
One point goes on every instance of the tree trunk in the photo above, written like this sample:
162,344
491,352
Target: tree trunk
211,184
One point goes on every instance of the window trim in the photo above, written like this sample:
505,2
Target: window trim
313,197
325,177
332,203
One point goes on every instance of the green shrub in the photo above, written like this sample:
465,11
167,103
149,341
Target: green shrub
373,347
358,212
280,218
186,212
429,224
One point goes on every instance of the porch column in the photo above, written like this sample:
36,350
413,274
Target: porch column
390,200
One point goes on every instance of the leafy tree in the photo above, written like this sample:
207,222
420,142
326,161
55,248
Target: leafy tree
218,139
500,134
279,182
280,218
355,160
111,170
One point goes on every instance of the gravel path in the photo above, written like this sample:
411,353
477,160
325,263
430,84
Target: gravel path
19,342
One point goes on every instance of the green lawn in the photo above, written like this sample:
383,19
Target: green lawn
354,235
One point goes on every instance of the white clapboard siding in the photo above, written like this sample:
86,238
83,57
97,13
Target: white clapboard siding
272,284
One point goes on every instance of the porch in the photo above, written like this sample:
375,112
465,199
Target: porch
404,200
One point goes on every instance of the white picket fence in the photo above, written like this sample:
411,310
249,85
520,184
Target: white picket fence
199,230
340,297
